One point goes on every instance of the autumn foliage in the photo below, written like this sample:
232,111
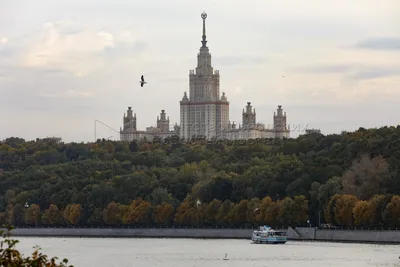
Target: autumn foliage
349,179
348,211
10,256
188,213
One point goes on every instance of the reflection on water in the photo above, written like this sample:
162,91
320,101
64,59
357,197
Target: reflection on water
124,252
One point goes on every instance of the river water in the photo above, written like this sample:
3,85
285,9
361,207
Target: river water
142,252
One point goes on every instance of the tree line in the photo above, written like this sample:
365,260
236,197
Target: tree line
342,210
349,210
190,212
85,178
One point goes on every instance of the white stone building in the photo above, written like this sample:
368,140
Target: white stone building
205,113
129,131
250,129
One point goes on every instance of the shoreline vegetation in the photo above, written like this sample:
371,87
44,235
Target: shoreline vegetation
10,256
345,180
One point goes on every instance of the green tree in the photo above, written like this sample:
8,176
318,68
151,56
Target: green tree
362,163
286,212
223,215
52,216
391,214
33,215
239,212
112,214
211,211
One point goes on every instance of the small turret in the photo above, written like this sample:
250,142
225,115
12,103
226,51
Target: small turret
249,117
280,120
129,121
163,122
185,97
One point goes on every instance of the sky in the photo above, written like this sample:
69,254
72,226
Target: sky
333,65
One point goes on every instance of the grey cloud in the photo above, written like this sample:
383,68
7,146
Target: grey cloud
26,85
240,60
174,80
54,71
323,69
140,46
39,90
374,73
70,30
353,72
30,99
300,28
8,52
124,50
379,43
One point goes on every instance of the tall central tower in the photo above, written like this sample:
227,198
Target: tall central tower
204,113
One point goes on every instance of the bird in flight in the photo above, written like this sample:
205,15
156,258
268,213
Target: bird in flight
142,82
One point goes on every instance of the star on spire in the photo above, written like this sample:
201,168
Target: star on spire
204,41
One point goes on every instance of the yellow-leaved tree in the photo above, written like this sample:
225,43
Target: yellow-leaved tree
360,213
163,213
10,256
392,212
344,210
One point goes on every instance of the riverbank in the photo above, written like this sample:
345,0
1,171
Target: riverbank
298,233
136,232
352,236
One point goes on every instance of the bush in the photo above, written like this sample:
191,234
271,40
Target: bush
11,257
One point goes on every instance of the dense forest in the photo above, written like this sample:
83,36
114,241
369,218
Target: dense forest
347,179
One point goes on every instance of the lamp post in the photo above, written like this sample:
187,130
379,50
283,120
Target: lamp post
198,203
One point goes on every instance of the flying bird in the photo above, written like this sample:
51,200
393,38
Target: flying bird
142,82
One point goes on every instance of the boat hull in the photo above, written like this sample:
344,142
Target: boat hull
268,240
266,235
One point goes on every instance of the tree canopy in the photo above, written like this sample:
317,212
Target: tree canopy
333,178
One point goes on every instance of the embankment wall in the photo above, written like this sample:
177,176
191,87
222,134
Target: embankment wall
298,233
356,235
135,232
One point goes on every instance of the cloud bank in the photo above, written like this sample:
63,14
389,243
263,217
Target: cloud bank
65,65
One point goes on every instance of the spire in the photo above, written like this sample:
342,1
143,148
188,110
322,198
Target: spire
204,41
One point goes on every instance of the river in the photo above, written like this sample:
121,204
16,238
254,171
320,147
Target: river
152,252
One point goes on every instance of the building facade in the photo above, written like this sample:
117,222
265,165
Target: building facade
162,129
204,112
312,131
250,129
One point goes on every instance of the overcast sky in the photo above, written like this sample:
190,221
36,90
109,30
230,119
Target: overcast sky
66,63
